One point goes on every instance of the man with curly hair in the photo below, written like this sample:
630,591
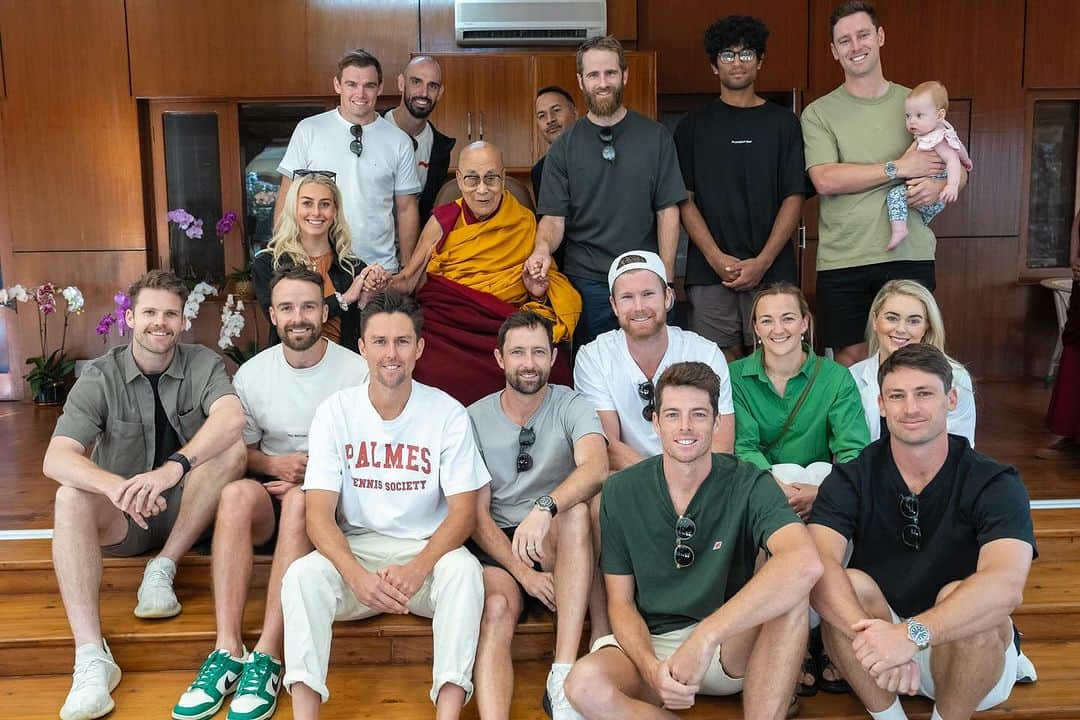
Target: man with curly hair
742,162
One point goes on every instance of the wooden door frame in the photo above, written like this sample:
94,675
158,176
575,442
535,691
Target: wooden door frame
11,382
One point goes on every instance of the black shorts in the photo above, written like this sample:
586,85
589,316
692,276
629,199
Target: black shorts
529,604
844,296
267,548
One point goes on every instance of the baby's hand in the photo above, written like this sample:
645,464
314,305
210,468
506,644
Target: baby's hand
949,194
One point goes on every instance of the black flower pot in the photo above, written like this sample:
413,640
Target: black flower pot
54,393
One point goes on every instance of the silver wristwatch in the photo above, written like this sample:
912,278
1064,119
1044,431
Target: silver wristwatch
891,171
918,633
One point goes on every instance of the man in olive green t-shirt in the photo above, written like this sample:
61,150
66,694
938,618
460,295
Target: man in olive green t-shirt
857,147
682,532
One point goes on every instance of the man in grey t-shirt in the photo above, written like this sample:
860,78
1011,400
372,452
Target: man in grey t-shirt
611,184
547,455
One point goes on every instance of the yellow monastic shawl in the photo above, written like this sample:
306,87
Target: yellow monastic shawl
489,255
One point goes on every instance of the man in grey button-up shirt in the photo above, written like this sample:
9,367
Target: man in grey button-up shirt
164,423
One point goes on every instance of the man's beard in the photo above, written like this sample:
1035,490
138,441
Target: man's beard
530,388
420,113
607,106
300,344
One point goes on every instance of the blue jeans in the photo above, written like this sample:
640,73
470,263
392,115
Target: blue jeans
596,314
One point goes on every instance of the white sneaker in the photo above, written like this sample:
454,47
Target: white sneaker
1025,670
156,596
557,705
96,676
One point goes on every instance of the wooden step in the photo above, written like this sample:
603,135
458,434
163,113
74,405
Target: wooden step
26,565
184,641
401,693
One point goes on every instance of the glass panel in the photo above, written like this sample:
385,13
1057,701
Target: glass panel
193,182
1052,198
4,315
265,130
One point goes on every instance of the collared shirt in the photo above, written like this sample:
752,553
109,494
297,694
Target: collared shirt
829,424
111,407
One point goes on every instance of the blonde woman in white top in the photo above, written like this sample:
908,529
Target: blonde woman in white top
905,312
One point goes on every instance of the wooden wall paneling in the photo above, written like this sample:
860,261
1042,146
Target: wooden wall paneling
437,27
232,181
451,115
677,37
1051,53
98,274
11,381
70,127
207,48
390,29
502,113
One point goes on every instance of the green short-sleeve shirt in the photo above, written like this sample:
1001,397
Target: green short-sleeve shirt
111,406
736,510
853,228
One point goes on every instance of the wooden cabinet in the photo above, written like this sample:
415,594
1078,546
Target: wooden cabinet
1051,53
253,48
677,38
491,97
484,100
70,127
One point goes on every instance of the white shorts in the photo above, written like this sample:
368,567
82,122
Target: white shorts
715,682
997,695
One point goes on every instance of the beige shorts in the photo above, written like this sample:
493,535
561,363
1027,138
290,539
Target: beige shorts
715,682
997,695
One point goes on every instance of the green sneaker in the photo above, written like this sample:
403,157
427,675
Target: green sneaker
218,676
256,696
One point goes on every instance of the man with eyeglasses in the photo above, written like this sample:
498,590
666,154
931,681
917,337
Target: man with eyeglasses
943,542
611,183
545,450
421,88
617,371
373,161
742,161
468,273
682,535
857,148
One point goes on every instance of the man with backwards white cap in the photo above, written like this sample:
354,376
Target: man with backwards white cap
618,370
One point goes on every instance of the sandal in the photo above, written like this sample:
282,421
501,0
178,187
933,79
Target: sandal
836,686
809,668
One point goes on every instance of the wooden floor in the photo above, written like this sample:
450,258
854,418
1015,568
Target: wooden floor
1011,426
381,668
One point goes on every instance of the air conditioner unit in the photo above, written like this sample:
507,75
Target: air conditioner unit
528,22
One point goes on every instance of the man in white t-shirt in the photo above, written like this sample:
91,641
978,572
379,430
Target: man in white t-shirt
279,389
545,450
373,162
618,370
391,493
421,87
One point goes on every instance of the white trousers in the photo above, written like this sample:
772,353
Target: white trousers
314,595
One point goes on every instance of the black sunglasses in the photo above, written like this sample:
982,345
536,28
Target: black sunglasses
304,172
911,534
357,145
684,530
608,138
646,392
526,439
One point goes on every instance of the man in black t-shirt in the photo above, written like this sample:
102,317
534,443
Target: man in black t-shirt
943,542
611,184
742,162
555,111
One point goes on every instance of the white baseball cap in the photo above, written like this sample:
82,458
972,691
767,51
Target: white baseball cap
636,260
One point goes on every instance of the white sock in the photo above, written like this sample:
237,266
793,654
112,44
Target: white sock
936,715
893,712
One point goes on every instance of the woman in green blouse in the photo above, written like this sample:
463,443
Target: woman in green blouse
795,415
795,412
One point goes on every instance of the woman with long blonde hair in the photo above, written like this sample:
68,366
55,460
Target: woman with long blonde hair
905,312
311,230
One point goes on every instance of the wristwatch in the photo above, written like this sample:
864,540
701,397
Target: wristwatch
341,302
547,503
891,171
182,460
918,633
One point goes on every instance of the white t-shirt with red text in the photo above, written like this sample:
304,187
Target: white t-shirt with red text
393,475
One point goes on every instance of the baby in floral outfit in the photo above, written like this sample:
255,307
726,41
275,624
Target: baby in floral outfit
924,111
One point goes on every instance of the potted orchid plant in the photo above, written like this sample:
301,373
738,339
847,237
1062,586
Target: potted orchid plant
50,369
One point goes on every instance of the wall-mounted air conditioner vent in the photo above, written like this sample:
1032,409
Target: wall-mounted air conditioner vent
528,22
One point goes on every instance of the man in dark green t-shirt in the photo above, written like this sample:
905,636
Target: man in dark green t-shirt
682,533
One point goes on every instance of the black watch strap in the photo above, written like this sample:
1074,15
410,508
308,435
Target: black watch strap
547,503
182,459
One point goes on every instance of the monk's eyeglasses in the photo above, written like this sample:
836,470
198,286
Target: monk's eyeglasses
491,180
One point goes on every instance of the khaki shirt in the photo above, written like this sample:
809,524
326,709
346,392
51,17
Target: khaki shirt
111,406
